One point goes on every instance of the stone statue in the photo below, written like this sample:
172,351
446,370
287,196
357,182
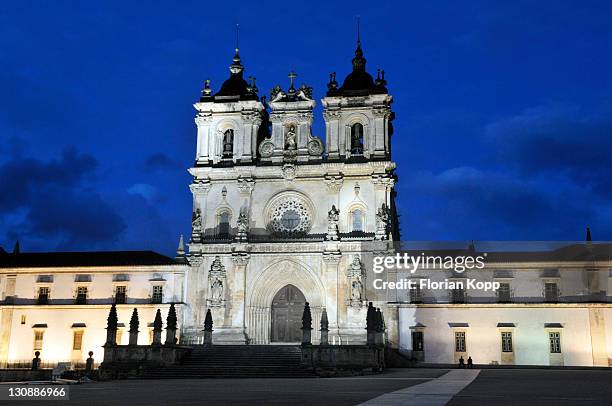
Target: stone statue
356,289
217,290
332,224
290,141
243,226
196,221
382,222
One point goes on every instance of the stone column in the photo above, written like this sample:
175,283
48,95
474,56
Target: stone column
238,298
332,282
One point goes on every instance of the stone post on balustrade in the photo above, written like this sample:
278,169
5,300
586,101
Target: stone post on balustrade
306,326
134,323
324,328
157,329
111,327
208,329
171,326
380,328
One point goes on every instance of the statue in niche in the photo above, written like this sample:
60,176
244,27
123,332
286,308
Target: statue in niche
216,290
356,289
196,222
242,225
382,222
333,216
290,139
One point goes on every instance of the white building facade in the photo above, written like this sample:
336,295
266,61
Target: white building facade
280,218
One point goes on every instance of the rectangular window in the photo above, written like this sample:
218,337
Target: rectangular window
158,294
417,341
119,336
458,295
555,342
551,292
503,293
506,337
23,319
38,339
77,340
81,297
121,294
460,341
415,294
43,295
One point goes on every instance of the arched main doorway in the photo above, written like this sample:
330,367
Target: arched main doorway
287,309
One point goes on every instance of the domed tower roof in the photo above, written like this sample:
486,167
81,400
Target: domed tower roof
359,82
235,88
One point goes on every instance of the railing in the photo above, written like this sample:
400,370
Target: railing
27,364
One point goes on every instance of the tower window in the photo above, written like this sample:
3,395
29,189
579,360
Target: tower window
228,143
357,220
224,223
357,139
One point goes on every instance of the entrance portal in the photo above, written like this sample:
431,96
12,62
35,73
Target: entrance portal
287,309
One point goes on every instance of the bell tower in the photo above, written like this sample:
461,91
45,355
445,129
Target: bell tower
358,115
229,121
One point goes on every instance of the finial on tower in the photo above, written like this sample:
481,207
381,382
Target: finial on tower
358,33
236,67
237,31
292,75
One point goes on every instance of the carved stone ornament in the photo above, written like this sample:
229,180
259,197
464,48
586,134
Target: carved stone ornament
266,148
334,182
216,283
246,185
242,226
355,281
289,171
196,225
382,223
290,215
315,146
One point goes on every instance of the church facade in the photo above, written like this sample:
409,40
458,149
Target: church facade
281,218
275,222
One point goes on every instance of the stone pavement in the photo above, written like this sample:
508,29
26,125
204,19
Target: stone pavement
436,392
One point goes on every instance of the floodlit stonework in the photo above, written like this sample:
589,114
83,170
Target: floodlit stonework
281,218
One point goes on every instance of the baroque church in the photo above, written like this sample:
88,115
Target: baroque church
281,218
276,222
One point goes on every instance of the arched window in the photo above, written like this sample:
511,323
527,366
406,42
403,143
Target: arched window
224,223
228,143
357,139
357,220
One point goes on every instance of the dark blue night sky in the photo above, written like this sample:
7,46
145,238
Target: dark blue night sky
503,125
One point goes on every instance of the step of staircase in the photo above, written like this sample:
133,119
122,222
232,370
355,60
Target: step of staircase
236,361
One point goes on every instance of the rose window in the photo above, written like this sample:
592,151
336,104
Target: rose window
289,215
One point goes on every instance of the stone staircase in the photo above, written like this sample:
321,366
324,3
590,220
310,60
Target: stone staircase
236,361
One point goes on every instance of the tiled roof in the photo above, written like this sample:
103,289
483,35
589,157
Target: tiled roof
93,258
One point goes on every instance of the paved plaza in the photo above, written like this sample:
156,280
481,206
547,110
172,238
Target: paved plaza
395,387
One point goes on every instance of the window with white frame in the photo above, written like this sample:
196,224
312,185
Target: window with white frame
228,143
357,220
554,337
357,139
417,341
506,340
120,294
158,294
551,292
223,227
81,295
43,295
503,292
460,341
38,339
